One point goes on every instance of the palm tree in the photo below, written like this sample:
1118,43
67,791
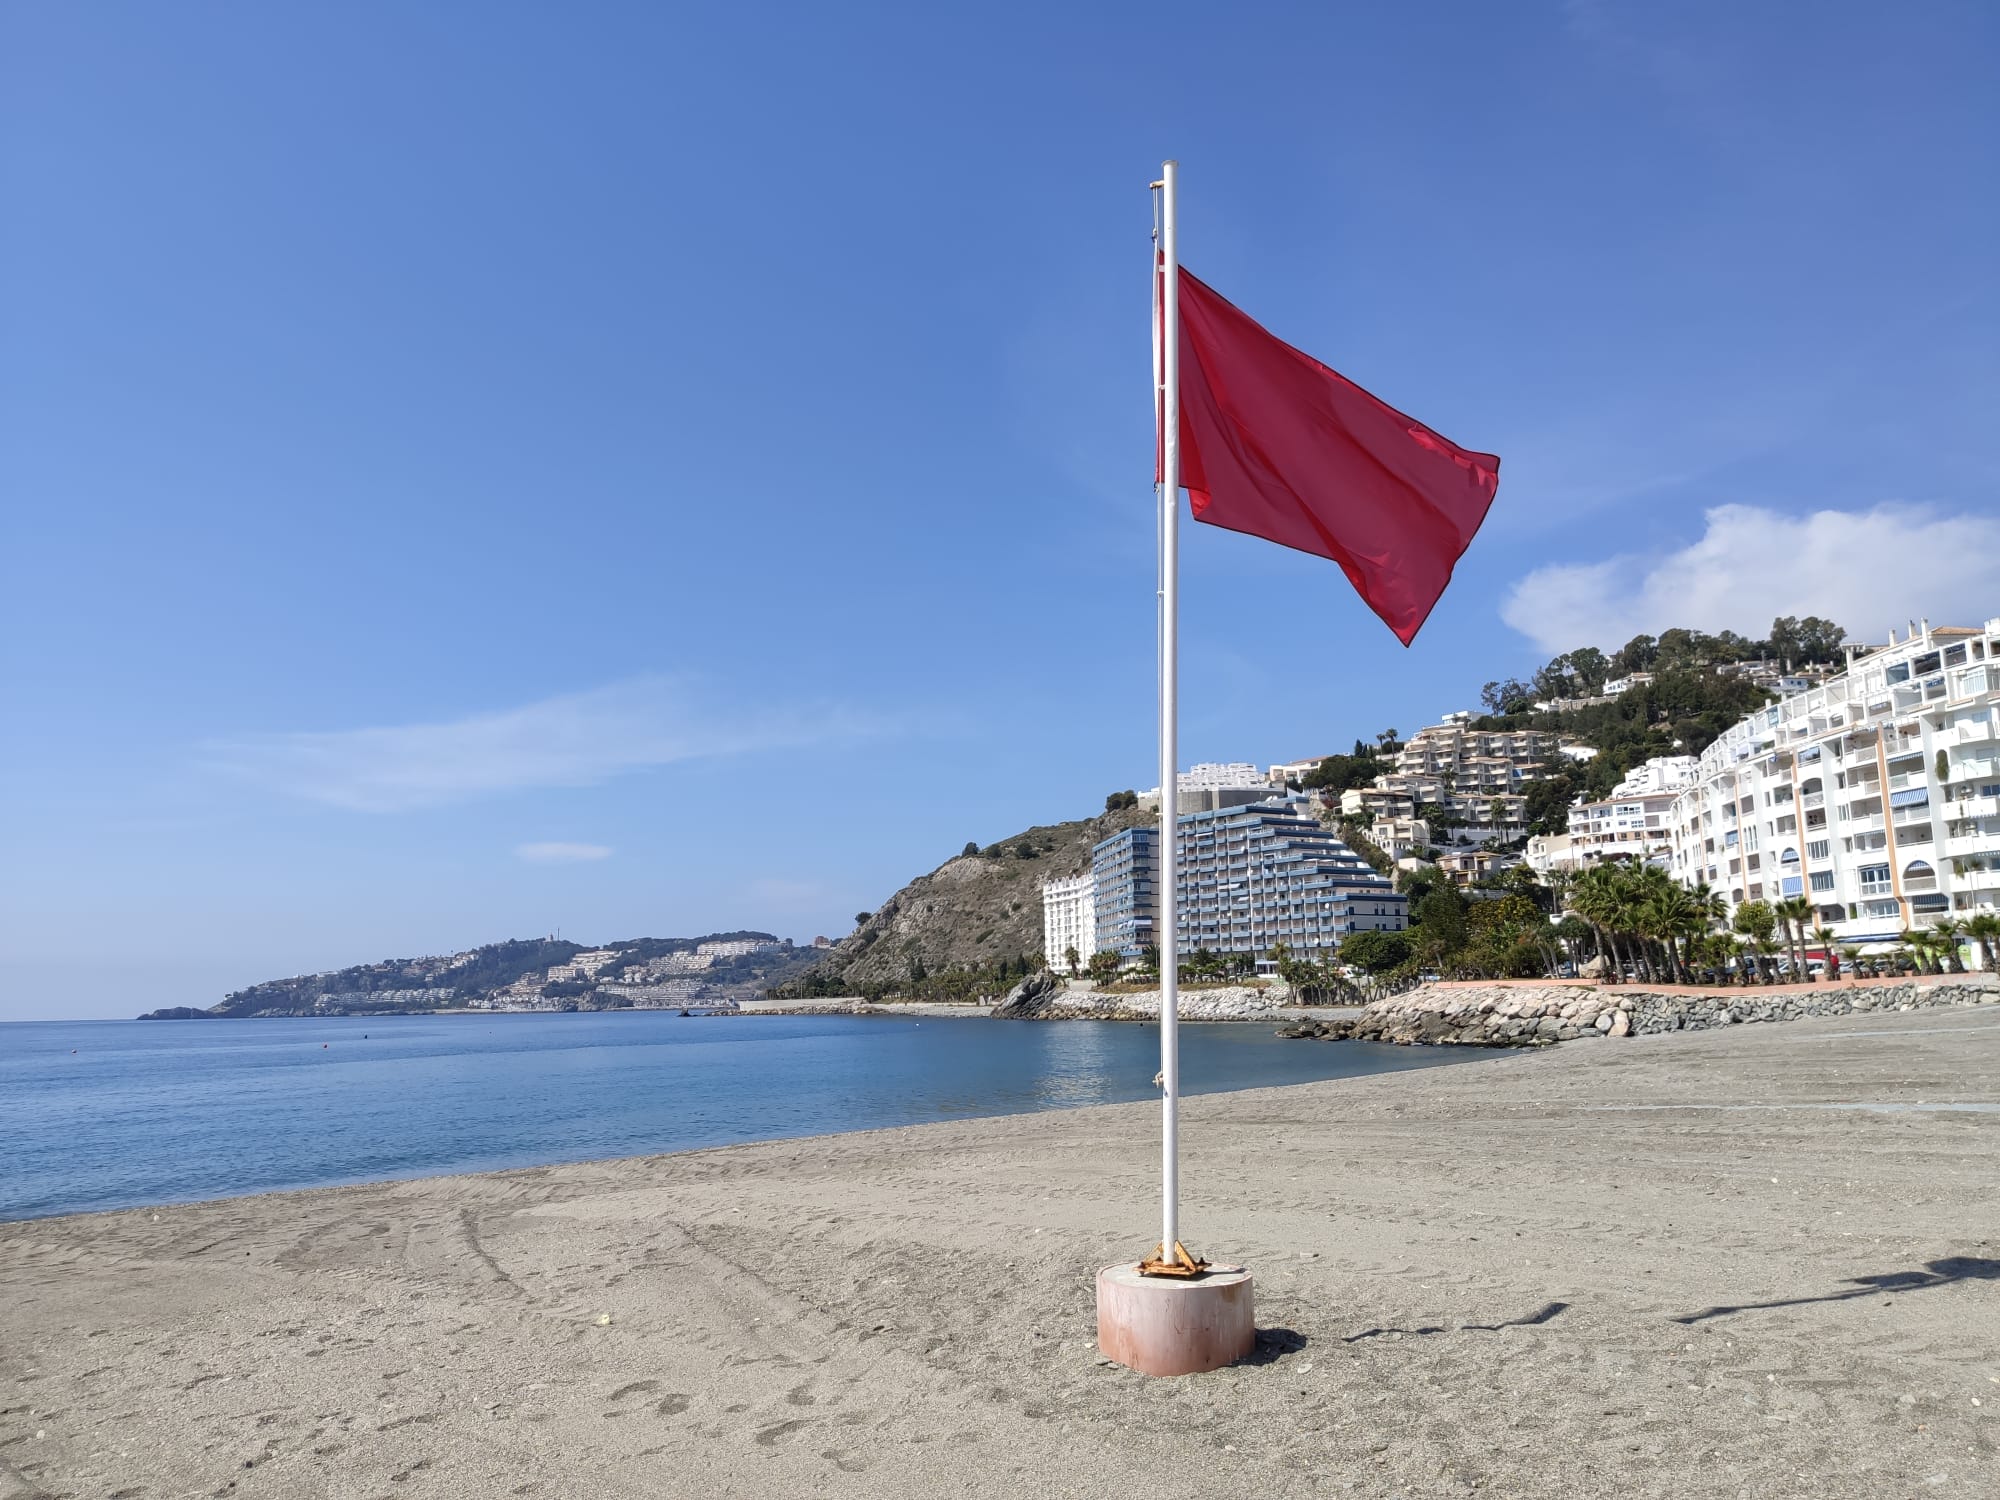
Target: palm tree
1755,920
1918,944
1673,916
1851,956
1571,931
1947,932
1824,936
1795,913
1764,948
1732,952
1984,929
1595,899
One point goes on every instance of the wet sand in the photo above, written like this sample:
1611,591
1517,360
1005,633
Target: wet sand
1762,1262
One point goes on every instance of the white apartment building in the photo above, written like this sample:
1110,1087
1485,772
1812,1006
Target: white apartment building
1217,776
1548,851
1635,823
1876,794
1625,684
728,948
1638,829
1280,778
1478,775
1663,773
1213,784
1400,837
1069,920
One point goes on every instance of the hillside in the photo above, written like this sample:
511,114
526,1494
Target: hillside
970,927
528,974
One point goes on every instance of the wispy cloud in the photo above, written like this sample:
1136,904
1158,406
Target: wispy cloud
561,853
578,739
1865,569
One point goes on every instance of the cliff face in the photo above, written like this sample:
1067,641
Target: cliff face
970,911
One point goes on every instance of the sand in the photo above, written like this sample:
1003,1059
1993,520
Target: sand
1686,1266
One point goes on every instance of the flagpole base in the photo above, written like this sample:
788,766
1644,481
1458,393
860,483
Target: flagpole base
1167,1326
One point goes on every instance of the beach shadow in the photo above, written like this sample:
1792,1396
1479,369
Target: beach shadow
1941,1272
1273,1344
1534,1319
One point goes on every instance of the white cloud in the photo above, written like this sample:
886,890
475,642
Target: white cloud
578,739
561,853
1867,570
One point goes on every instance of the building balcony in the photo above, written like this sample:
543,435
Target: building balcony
1972,845
1978,732
1864,823
1973,807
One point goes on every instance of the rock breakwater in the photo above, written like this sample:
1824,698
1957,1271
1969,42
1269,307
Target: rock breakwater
1044,997
1530,1015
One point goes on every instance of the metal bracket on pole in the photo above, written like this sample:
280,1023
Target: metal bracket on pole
1180,1263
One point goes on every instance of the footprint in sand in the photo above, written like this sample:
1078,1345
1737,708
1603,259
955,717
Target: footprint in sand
768,1436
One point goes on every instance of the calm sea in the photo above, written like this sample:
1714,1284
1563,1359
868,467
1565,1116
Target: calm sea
114,1114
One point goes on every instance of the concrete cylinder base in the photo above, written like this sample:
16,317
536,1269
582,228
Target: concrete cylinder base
1159,1325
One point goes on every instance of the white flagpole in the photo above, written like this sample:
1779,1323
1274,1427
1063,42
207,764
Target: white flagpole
1167,937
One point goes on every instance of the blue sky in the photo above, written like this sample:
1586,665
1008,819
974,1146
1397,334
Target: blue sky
473,471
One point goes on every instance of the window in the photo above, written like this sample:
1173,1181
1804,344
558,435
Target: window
1817,849
1822,880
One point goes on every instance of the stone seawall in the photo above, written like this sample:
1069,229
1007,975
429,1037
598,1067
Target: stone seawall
1531,1015
1045,998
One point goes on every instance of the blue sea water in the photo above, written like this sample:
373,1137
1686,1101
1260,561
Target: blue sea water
114,1114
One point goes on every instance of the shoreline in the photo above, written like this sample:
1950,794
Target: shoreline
1590,1273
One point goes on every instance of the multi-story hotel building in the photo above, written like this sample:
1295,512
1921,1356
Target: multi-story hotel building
1125,877
1252,877
1069,920
1876,794
1249,878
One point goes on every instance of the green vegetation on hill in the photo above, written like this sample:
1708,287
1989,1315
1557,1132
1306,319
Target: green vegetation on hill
1583,673
970,928
1680,712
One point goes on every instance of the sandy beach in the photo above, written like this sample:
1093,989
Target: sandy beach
1761,1261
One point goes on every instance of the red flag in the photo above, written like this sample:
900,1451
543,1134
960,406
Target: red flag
1275,444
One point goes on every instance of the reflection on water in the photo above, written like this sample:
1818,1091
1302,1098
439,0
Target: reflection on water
110,1114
